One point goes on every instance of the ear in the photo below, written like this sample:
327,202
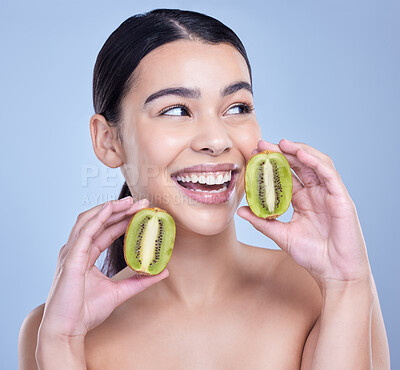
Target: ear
106,144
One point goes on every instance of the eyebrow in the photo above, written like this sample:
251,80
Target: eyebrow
195,93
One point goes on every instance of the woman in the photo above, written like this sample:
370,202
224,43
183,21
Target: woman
173,97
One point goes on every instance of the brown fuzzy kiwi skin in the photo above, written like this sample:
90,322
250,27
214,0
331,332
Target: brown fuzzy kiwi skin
272,217
156,209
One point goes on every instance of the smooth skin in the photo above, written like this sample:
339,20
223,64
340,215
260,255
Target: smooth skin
220,304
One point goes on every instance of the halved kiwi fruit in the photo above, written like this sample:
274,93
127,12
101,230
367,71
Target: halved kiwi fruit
268,184
149,240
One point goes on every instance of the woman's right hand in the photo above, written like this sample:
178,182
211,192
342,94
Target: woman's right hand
81,296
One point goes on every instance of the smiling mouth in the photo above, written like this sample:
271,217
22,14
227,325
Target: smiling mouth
206,185
205,182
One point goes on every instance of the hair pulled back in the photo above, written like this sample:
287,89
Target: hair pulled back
114,76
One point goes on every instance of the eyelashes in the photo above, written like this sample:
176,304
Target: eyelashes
247,109
180,105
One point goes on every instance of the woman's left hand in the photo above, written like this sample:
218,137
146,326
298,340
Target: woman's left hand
324,235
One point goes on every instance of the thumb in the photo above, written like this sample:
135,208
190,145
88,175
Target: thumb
129,287
273,229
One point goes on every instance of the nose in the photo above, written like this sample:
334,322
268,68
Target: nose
211,136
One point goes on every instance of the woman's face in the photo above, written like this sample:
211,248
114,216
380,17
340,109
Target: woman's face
190,160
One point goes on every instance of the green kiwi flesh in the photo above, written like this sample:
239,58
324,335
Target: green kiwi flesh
268,184
149,241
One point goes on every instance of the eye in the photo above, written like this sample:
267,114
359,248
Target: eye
242,108
246,108
175,108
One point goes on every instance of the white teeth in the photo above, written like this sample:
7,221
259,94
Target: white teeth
210,180
227,177
220,179
211,191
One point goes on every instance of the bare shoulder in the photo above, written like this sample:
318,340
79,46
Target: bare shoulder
288,282
27,339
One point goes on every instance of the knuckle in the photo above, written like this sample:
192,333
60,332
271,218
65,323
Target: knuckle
80,217
113,201
327,159
85,231
106,224
61,251
96,247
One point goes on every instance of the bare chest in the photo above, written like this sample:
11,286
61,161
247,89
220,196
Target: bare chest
228,339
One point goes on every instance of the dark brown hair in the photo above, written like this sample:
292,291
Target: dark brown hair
113,75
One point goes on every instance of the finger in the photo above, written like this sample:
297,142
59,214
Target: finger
110,234
84,217
263,145
327,175
254,152
291,147
306,174
127,288
273,229
105,236
122,214
119,205
78,255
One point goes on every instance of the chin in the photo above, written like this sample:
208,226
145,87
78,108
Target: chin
202,220
195,216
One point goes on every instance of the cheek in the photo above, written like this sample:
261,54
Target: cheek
247,137
160,146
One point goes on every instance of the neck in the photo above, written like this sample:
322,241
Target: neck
201,266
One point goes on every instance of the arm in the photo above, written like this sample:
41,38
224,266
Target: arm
55,352
324,236
81,297
348,317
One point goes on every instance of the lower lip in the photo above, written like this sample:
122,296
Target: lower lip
210,198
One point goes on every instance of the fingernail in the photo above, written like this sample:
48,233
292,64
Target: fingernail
127,198
142,201
288,140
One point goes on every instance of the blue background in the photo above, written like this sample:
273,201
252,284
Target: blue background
324,72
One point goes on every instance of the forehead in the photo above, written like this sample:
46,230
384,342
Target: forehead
192,64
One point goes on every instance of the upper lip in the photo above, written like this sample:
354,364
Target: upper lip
208,167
